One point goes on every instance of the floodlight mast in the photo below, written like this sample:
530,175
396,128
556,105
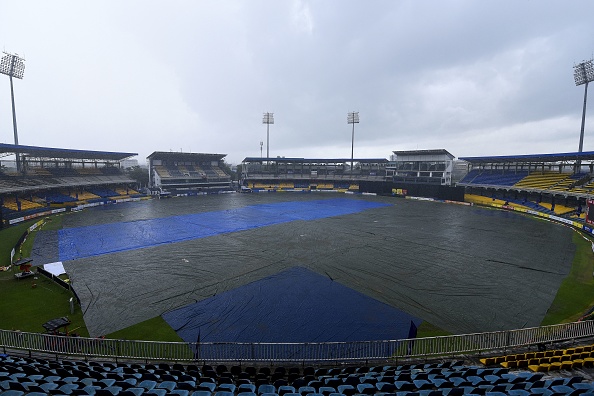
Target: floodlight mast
583,73
268,119
353,118
13,66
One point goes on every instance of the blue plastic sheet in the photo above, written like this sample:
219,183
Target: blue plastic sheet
295,305
95,240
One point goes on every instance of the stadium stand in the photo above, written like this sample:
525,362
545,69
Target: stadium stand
126,192
89,171
310,174
493,178
15,205
556,184
186,173
20,375
542,180
545,361
43,176
103,192
83,195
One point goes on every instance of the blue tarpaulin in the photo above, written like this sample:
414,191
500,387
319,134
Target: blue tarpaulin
295,305
95,240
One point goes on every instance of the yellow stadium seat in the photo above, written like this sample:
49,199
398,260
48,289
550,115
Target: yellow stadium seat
588,362
540,368
567,365
510,364
522,363
489,361
555,366
577,363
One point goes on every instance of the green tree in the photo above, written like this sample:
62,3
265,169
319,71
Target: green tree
140,175
227,168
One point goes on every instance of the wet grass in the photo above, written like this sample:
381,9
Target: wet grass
149,330
575,296
28,303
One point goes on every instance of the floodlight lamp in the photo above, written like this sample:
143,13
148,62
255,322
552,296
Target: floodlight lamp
353,117
589,68
12,65
268,118
583,72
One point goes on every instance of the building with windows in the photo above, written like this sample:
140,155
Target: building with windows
421,167
181,173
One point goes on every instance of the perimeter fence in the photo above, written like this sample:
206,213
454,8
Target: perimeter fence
430,347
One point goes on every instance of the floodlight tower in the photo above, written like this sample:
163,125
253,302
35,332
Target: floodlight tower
261,144
268,119
583,73
353,118
13,66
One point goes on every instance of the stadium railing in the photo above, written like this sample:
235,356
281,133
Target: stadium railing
430,347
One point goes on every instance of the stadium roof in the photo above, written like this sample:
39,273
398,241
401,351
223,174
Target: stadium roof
50,152
316,160
559,157
185,156
423,152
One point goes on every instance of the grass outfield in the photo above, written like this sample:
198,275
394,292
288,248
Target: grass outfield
28,303
576,293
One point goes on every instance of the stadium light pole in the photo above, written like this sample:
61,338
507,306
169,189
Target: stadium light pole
261,144
583,73
13,66
268,119
353,118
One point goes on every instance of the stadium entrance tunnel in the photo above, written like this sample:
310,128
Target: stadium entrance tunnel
295,305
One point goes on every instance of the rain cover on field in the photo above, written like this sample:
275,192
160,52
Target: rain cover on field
75,243
295,305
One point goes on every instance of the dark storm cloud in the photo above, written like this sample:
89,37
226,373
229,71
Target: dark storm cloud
474,77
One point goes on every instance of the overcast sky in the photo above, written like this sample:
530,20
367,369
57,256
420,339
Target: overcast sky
475,77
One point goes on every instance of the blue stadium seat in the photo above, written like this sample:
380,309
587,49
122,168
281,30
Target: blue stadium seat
285,389
227,387
247,393
266,388
224,393
304,390
246,388
156,391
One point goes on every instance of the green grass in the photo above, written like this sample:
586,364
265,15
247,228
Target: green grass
426,329
28,303
149,330
576,294
8,238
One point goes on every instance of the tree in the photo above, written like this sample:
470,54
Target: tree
227,168
140,175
